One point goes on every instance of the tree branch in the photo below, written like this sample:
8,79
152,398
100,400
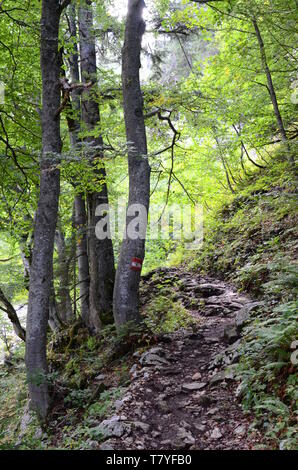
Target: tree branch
12,315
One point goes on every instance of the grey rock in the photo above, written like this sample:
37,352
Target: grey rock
212,411
208,289
140,425
245,312
211,339
183,438
162,406
240,431
106,446
38,434
200,427
153,357
100,377
92,444
216,434
186,436
189,387
214,309
166,442
121,402
239,391
196,376
241,318
171,371
231,334
133,369
113,427
157,350
204,400
217,378
230,373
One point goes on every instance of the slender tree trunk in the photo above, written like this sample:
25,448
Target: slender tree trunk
55,322
246,151
80,214
227,175
101,255
223,161
46,216
242,160
126,292
271,88
64,299
82,256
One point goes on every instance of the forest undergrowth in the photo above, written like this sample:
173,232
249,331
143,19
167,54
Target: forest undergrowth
249,243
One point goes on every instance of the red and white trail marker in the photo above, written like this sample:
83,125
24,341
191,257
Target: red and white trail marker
136,264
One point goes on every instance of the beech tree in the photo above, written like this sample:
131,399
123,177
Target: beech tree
80,213
45,222
126,292
100,251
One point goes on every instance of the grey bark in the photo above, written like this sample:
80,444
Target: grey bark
26,246
101,255
82,256
80,215
126,291
46,216
55,322
63,293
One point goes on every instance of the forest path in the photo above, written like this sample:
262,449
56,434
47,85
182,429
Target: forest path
182,395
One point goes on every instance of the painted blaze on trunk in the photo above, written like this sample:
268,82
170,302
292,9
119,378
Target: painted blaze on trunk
126,292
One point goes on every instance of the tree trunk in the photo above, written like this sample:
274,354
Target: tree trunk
46,216
82,256
64,299
80,215
126,292
55,322
271,89
101,255
244,149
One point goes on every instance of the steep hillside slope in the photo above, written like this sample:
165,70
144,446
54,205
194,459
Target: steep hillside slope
253,243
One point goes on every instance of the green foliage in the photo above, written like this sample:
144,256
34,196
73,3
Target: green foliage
91,343
77,398
211,81
268,381
163,315
104,405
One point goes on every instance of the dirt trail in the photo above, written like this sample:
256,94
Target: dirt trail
182,396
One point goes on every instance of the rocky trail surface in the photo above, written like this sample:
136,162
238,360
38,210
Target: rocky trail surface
183,394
